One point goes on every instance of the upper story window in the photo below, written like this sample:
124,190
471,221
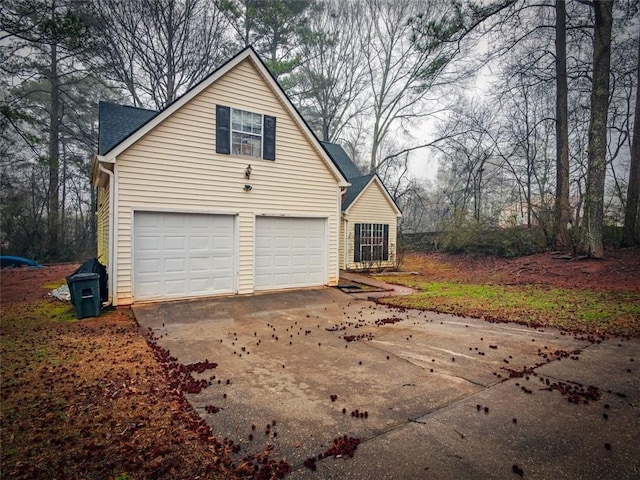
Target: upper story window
240,132
246,133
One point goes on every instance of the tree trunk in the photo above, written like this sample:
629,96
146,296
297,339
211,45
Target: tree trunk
591,239
561,219
54,156
631,234
373,160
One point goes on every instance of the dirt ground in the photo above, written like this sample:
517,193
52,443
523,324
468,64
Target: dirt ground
618,271
96,390
27,284
56,374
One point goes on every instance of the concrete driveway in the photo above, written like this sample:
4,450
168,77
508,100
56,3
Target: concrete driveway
432,392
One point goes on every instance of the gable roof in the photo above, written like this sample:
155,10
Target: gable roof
117,122
359,185
247,53
359,182
341,158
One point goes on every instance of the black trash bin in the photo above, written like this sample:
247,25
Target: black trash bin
85,294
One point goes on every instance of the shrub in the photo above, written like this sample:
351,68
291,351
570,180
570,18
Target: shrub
479,239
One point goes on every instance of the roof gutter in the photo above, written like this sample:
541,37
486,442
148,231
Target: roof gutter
106,158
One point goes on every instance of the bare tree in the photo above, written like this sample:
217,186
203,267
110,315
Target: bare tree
399,75
158,49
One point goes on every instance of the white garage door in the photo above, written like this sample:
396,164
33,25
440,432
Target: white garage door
290,252
180,255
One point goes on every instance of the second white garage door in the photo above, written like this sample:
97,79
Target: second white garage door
180,255
290,252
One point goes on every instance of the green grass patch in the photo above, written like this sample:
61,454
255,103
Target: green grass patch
576,310
55,310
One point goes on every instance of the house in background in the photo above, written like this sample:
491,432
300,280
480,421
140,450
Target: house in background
369,223
228,191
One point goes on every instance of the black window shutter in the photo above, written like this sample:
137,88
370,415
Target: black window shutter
223,128
269,142
356,243
385,243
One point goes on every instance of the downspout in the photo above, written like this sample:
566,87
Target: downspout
110,267
346,242
343,215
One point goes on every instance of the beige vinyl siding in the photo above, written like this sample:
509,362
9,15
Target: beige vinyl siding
175,168
372,207
102,226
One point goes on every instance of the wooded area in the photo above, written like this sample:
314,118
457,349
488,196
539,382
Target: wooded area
527,108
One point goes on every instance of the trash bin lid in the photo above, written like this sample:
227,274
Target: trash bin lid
83,276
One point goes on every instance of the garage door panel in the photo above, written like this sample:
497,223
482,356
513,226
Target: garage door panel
222,284
199,264
148,243
299,261
290,252
198,285
202,243
150,221
315,260
223,243
183,255
175,243
149,289
148,266
300,242
263,242
175,287
263,261
316,243
223,263
177,221
175,265
281,242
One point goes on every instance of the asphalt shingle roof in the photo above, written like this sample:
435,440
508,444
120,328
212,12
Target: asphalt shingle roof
117,122
342,160
350,170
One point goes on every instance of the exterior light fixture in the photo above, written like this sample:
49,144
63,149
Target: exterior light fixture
247,173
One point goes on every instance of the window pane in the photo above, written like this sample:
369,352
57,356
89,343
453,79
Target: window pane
246,122
253,146
236,119
257,124
236,143
244,144
246,135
